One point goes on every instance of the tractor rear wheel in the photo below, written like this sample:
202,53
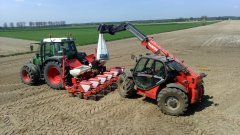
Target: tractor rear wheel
126,87
172,101
29,74
53,74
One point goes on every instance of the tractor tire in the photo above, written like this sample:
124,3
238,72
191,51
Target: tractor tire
30,74
172,101
203,92
126,87
120,79
53,74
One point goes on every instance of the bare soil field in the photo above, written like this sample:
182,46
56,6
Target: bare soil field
212,49
12,46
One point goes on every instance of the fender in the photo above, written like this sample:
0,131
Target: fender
178,86
54,58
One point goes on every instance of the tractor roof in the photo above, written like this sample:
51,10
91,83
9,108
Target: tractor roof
156,57
64,39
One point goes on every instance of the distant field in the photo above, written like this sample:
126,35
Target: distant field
89,35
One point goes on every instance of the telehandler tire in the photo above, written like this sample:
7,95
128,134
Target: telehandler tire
126,87
172,101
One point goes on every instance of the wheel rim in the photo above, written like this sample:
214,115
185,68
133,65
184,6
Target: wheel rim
25,75
172,103
54,75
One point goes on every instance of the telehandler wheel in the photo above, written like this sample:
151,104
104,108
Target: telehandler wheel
120,79
126,87
172,101
52,74
29,74
203,90
202,93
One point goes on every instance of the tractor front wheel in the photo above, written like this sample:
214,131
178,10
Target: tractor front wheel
172,101
53,74
29,74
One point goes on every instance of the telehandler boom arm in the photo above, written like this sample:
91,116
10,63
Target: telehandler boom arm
149,43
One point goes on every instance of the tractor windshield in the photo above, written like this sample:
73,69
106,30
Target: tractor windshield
69,46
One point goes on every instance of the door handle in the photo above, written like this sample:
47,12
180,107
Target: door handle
144,75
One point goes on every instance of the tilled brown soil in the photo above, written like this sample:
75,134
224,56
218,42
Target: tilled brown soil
213,49
13,46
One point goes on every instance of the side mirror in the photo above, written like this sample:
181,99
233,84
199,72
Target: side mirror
31,47
133,56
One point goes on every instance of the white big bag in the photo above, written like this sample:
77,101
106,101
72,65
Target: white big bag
102,52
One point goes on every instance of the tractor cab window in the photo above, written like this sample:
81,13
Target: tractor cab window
48,50
149,73
69,46
58,48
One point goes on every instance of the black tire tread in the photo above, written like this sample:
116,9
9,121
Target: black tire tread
126,87
33,74
184,104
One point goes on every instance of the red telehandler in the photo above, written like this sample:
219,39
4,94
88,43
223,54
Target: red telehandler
160,76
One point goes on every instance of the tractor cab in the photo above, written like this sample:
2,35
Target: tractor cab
150,71
53,47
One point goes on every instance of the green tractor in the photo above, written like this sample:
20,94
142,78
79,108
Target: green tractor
52,62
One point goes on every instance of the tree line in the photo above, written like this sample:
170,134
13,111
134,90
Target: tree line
63,23
34,24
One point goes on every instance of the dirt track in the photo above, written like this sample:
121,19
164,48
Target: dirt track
213,49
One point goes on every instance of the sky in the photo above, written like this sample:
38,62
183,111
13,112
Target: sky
84,11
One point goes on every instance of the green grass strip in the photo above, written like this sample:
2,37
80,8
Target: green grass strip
89,35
